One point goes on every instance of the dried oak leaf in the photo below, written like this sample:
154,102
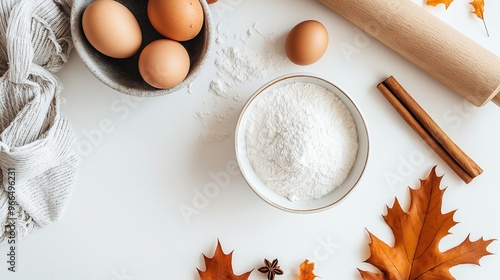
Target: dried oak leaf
306,271
220,267
479,11
437,2
478,8
417,233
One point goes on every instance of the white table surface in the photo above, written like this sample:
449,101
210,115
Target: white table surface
123,220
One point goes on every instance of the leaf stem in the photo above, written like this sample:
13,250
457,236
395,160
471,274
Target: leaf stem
485,27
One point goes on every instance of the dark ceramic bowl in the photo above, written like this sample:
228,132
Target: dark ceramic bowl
123,74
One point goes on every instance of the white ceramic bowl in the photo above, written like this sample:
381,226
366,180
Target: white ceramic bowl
276,200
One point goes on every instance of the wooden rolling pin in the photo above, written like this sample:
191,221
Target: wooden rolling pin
452,58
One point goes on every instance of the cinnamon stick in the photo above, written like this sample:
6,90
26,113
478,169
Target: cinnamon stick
428,130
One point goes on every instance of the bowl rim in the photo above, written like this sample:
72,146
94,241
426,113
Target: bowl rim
238,131
78,44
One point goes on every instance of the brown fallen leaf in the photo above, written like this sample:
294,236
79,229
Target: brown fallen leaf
417,233
219,267
437,2
306,271
479,12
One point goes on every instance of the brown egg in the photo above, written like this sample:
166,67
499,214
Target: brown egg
164,63
306,42
179,20
111,29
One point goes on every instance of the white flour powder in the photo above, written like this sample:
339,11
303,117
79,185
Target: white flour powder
301,141
241,59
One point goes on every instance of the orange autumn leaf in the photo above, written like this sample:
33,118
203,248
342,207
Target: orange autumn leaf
478,8
306,271
417,234
479,11
437,2
220,267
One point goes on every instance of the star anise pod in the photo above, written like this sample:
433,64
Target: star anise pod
271,268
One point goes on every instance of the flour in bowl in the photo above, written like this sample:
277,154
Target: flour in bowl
301,141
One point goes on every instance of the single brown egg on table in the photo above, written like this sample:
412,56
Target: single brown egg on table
164,63
306,42
179,20
111,29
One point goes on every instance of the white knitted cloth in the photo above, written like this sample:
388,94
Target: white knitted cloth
36,140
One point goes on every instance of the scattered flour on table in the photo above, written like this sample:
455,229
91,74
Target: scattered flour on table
208,136
240,59
301,141
243,65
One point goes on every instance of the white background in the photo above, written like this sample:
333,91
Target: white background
123,220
